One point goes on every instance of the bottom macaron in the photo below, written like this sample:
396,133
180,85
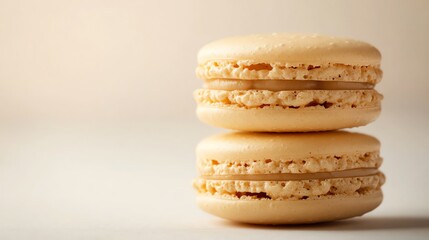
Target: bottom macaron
268,178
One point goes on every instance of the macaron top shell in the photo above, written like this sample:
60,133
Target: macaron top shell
291,50
242,146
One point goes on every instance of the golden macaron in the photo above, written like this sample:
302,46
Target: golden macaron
288,83
288,178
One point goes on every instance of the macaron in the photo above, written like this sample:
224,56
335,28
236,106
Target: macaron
288,178
288,83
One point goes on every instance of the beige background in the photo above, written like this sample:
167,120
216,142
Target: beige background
129,60
97,124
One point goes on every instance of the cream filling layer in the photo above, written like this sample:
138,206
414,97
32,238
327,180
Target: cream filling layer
350,173
284,85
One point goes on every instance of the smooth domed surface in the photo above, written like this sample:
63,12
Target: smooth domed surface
291,49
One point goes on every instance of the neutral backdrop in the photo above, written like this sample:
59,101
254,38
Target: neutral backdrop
97,124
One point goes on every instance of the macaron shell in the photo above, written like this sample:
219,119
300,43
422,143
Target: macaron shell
290,212
239,146
291,49
285,120
287,111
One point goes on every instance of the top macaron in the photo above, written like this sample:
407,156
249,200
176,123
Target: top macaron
288,83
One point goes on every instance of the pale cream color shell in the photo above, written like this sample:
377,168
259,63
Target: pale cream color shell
290,211
285,56
245,146
291,49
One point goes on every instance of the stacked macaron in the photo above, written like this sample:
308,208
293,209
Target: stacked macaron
290,87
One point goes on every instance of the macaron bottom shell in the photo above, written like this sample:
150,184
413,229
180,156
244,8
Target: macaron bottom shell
285,120
276,212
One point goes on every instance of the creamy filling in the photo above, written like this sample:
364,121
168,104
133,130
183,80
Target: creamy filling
284,85
359,172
